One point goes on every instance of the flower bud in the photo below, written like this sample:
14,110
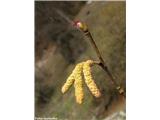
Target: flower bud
81,26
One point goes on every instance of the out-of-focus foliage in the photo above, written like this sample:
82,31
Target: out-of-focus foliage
59,48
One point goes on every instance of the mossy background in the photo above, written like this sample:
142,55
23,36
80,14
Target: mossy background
59,47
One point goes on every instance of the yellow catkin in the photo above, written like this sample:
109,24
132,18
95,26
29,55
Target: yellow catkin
78,84
68,83
88,78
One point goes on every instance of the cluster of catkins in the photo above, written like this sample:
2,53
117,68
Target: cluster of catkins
77,78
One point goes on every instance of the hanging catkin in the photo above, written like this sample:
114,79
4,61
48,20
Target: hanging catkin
76,77
68,83
78,84
88,78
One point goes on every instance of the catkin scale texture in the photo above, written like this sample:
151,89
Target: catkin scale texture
88,78
68,83
78,84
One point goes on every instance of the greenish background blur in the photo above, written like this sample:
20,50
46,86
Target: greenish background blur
59,47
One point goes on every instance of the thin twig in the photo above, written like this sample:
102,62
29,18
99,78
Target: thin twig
101,63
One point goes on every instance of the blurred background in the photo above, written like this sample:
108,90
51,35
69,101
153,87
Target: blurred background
59,47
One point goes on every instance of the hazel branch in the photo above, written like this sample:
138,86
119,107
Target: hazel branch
83,27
